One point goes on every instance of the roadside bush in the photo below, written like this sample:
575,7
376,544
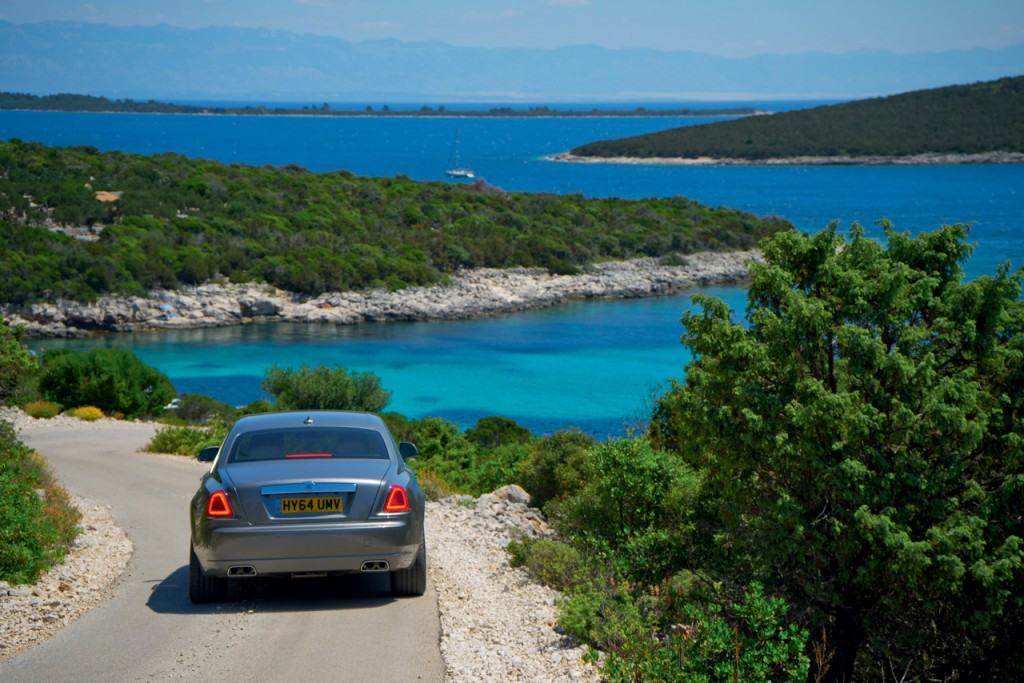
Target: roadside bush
87,413
42,409
257,408
555,466
550,562
114,380
717,641
34,531
325,388
186,440
16,364
200,409
635,507
434,487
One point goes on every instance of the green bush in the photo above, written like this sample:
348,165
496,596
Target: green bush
186,440
114,380
636,507
16,364
257,408
491,432
325,388
555,466
548,561
42,409
721,641
200,409
34,531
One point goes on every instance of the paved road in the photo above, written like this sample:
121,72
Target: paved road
347,629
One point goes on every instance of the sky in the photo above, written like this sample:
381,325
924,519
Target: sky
734,28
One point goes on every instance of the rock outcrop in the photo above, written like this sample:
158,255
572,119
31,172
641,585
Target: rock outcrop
469,294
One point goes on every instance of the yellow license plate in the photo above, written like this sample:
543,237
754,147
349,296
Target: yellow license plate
294,506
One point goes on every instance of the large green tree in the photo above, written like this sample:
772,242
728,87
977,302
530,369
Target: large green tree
862,444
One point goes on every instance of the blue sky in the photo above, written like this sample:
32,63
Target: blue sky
723,27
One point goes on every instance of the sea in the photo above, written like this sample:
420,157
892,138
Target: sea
598,366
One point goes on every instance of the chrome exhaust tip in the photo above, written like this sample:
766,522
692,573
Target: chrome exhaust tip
242,570
374,566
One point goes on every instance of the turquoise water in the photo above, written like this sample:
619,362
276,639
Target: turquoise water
593,365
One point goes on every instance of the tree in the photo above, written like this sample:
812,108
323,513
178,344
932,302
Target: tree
325,388
862,445
16,363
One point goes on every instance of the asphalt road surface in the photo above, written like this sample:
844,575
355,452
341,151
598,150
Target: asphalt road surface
343,629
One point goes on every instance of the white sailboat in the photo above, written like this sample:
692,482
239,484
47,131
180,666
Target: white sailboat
455,168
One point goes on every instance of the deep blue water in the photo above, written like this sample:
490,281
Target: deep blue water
594,365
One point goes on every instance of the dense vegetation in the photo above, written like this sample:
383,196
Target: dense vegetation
113,380
960,119
72,102
183,221
35,528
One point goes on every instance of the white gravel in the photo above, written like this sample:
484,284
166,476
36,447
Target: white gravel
88,574
496,624
22,421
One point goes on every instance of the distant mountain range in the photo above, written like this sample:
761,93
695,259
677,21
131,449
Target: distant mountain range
248,64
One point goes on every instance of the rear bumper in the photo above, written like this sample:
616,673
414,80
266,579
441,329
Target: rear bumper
310,548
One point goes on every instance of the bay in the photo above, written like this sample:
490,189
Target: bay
594,365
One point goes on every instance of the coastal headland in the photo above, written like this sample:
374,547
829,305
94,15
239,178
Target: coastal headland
803,160
470,293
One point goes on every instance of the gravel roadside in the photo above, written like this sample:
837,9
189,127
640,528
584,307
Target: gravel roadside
88,574
496,624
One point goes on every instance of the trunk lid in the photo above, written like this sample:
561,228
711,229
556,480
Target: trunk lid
270,492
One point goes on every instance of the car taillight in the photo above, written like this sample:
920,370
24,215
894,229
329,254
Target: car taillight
218,505
397,500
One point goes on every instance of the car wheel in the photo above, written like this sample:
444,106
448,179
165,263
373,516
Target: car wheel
413,580
203,588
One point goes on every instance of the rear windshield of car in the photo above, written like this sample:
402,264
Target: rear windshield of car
308,442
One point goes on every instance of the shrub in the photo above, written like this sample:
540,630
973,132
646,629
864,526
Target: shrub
555,465
491,432
186,440
200,409
550,562
325,388
636,507
111,379
257,408
34,530
87,413
16,364
434,487
42,409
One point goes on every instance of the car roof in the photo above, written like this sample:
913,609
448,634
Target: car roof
320,418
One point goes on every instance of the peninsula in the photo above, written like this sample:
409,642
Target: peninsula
87,227
90,103
976,123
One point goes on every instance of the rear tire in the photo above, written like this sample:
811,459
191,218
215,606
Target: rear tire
203,589
412,580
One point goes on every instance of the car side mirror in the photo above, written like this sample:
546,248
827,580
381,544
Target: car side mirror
208,454
408,450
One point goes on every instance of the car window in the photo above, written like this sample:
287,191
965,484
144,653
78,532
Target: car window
308,442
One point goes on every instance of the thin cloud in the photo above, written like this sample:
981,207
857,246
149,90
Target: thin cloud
570,3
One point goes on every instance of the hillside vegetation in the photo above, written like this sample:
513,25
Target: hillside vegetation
183,221
960,119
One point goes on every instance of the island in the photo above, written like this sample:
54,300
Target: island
976,123
105,240
90,103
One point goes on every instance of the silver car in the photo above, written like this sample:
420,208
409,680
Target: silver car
307,494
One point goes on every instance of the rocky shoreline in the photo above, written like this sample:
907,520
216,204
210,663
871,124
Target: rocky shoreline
469,294
879,160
